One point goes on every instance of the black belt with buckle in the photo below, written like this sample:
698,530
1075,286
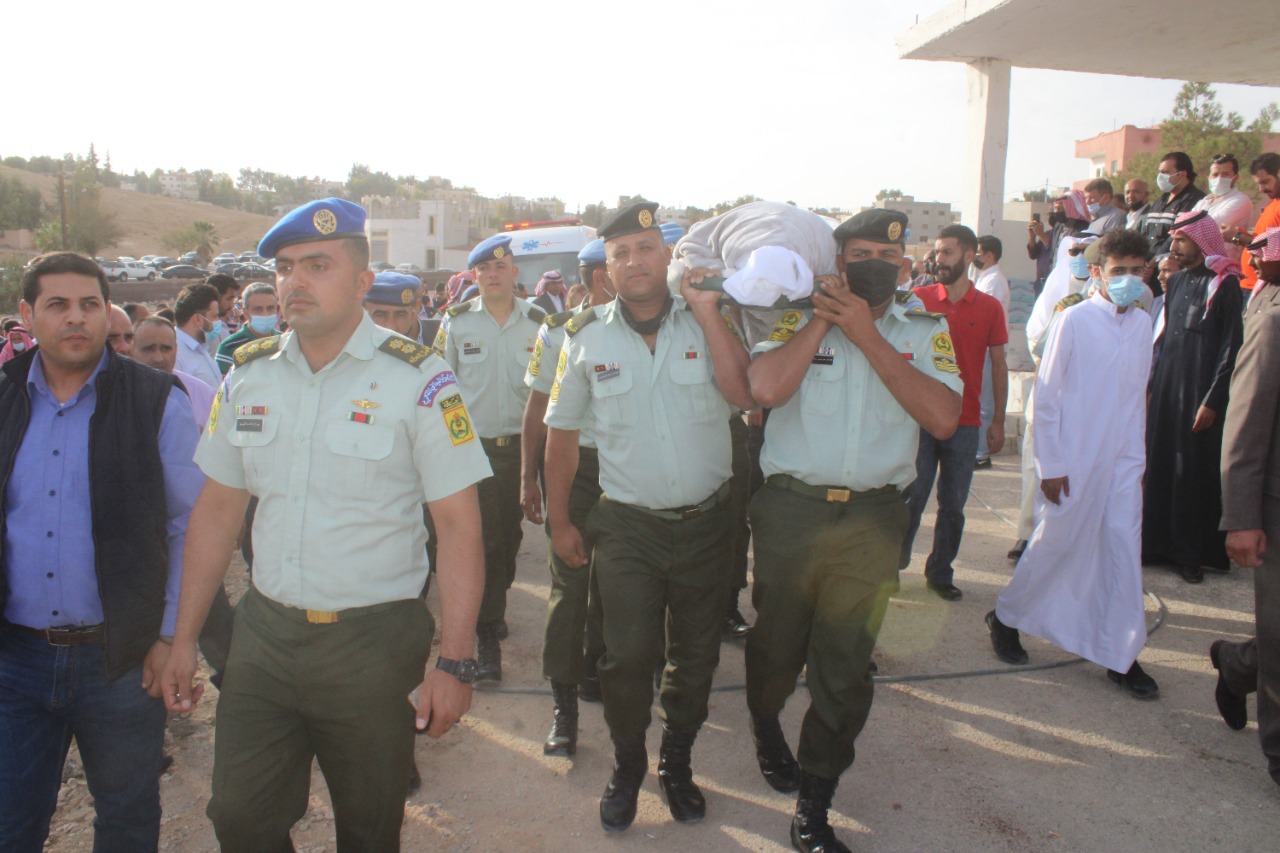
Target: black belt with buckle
830,494
682,513
69,636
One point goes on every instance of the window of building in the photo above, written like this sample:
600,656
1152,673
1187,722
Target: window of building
431,225
431,257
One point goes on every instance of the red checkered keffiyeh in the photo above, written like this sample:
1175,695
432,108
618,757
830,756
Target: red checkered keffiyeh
1203,231
1074,206
1267,246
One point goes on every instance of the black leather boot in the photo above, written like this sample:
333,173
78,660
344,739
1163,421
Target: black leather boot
810,832
684,798
563,739
488,652
589,688
630,764
777,764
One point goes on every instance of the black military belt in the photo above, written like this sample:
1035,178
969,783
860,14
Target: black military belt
682,513
501,441
830,494
65,636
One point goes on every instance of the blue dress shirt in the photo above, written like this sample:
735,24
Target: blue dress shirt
49,552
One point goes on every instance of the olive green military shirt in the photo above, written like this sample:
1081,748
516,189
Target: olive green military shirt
491,361
341,461
541,374
661,424
843,427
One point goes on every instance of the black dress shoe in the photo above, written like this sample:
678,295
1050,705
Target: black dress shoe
945,591
1191,574
1006,642
1015,553
981,464
1136,682
735,626
1232,707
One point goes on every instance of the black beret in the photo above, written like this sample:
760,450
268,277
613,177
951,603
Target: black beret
876,224
631,220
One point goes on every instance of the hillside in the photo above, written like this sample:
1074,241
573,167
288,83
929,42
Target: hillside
144,219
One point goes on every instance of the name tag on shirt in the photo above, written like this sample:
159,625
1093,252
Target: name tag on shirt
605,372
471,349
825,355
248,424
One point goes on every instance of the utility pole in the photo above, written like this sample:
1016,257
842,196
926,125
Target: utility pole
62,205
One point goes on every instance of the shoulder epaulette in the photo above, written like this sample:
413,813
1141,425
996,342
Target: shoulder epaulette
903,297
460,308
576,324
536,314
554,321
920,312
404,349
1067,301
246,353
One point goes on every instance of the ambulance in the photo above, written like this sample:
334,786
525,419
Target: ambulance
551,245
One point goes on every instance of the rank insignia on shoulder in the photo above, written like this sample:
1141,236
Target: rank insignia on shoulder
555,321
214,411
579,321
404,349
785,329
460,308
1067,301
942,345
248,352
442,337
535,360
536,314
923,314
945,364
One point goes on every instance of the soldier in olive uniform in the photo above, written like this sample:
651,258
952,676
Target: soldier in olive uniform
341,429
656,375
847,382
488,341
572,608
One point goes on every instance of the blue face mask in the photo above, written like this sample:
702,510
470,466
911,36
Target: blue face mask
1094,208
1080,266
1124,290
263,325
219,330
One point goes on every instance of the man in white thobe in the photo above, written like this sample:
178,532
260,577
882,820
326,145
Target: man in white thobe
1079,583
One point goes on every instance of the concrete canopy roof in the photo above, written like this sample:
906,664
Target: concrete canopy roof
1228,41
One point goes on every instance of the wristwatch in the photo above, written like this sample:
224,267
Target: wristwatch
463,670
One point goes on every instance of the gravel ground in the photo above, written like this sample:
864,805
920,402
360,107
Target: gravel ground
1049,760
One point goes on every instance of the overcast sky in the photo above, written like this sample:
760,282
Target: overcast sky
685,102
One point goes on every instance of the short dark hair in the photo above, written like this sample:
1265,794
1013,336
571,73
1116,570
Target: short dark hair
222,283
191,300
166,313
1100,185
962,234
131,308
154,320
1183,162
9,323
53,263
1122,243
1269,163
358,248
1223,159
991,243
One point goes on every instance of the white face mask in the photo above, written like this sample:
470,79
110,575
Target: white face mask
1220,185
18,346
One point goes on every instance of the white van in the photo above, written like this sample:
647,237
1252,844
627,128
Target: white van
553,247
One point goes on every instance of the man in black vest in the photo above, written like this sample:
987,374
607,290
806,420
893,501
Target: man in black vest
96,486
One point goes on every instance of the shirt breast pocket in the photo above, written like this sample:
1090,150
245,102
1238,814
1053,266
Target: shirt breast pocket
356,453
819,394
255,436
694,389
614,404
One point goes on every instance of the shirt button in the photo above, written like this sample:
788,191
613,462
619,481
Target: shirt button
49,575
55,613
60,413
52,493
56,452
49,534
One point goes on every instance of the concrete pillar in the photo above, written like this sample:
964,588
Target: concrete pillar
987,144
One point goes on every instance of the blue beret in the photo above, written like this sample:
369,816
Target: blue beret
326,219
393,288
633,219
591,254
497,246
671,232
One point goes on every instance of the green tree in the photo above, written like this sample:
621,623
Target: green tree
1199,126
1035,195
11,270
362,182
90,229
204,239
20,205
726,206
887,193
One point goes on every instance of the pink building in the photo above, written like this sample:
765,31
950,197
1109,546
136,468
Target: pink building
1108,153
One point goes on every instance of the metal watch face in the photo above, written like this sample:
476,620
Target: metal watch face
463,670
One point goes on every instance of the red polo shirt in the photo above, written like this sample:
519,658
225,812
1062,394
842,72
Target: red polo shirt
976,323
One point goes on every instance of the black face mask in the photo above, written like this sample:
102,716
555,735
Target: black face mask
1056,218
873,280
1137,205
979,264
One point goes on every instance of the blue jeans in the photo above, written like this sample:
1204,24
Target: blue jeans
987,399
951,461
49,695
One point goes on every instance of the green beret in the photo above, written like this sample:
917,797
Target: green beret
631,220
876,224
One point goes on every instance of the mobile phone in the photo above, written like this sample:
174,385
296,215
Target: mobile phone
1035,217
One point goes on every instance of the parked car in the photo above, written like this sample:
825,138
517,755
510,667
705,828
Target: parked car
115,270
411,269
228,268
192,258
138,271
254,272
184,271
225,258
380,266
250,258
162,262
124,259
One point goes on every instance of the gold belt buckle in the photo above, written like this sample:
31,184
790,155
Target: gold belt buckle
321,617
502,442
839,495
